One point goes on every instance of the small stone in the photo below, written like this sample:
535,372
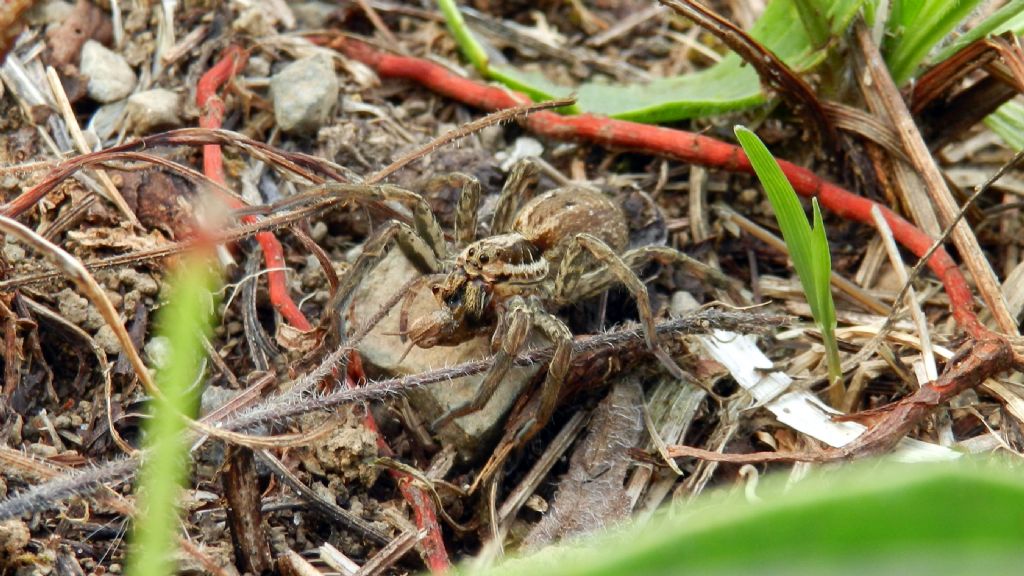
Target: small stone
158,350
313,14
106,340
304,94
107,119
154,109
257,66
110,76
73,307
13,252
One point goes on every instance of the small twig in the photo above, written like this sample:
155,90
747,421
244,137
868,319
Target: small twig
78,138
680,451
553,452
294,403
329,509
244,516
927,354
388,555
377,22
473,127
46,495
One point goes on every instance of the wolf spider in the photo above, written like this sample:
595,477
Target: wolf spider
561,247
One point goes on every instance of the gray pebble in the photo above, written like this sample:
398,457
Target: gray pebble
154,109
304,94
110,76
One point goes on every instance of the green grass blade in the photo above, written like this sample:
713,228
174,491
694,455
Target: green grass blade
813,19
826,307
165,469
535,86
1008,123
878,519
915,27
822,269
808,248
790,214
1009,17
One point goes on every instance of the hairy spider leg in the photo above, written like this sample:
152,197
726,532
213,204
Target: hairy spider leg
600,279
468,203
423,244
520,179
568,288
517,322
560,335
374,249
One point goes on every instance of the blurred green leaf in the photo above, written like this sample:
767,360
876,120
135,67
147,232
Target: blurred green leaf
870,518
183,322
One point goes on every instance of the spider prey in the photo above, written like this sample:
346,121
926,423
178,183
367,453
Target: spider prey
561,247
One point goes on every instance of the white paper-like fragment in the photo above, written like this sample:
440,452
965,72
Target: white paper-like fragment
800,409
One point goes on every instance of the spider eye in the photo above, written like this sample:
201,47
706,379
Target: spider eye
436,288
484,258
471,252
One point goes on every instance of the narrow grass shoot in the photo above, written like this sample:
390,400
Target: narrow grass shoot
1008,123
183,322
808,248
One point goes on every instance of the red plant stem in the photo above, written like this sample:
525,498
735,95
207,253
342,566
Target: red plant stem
213,110
677,144
422,505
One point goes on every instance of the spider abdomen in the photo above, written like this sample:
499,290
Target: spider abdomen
553,219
